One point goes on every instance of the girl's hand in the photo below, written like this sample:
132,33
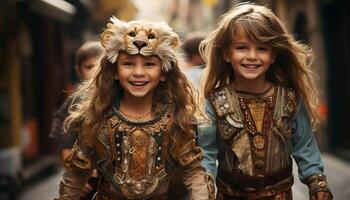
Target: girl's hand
321,196
318,187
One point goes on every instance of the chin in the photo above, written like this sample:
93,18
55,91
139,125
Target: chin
138,95
251,76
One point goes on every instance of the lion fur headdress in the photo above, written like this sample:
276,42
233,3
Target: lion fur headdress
141,37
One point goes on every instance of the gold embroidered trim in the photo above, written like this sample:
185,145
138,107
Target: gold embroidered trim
258,119
140,155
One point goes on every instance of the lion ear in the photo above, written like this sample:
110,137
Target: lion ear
115,24
175,41
112,38
106,35
115,20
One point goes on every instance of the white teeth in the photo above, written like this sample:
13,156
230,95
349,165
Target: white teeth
251,66
138,83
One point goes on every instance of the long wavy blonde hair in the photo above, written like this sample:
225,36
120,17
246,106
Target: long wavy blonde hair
98,95
293,59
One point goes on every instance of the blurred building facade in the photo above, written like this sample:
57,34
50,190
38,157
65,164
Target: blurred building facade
39,39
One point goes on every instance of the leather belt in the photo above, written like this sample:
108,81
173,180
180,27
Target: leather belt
103,197
241,180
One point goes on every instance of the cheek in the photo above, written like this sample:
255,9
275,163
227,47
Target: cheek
121,72
269,57
235,67
229,55
236,56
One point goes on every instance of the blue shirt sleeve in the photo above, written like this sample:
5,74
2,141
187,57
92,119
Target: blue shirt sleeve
207,140
304,147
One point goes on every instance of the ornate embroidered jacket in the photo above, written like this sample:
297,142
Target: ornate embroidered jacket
254,138
135,161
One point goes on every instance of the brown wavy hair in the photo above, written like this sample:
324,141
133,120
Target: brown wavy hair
97,96
293,59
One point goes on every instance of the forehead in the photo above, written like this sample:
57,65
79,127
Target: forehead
250,32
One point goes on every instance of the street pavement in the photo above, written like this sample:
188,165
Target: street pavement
337,171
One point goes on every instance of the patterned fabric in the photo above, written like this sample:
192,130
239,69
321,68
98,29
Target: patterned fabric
254,130
135,160
255,137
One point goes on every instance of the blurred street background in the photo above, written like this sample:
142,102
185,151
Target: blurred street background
39,39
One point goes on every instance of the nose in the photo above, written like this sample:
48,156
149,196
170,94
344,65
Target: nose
139,70
252,54
139,44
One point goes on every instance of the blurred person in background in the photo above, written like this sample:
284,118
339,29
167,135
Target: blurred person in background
194,63
87,60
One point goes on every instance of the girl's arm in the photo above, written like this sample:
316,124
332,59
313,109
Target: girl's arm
79,167
306,154
207,140
71,185
199,183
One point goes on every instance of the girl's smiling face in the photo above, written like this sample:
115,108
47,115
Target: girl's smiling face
139,75
249,60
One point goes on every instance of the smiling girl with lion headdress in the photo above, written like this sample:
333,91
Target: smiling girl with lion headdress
134,119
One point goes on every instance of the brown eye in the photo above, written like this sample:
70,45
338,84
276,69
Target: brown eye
132,34
151,36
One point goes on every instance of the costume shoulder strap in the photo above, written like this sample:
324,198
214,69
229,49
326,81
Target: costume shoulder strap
229,115
220,99
286,102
